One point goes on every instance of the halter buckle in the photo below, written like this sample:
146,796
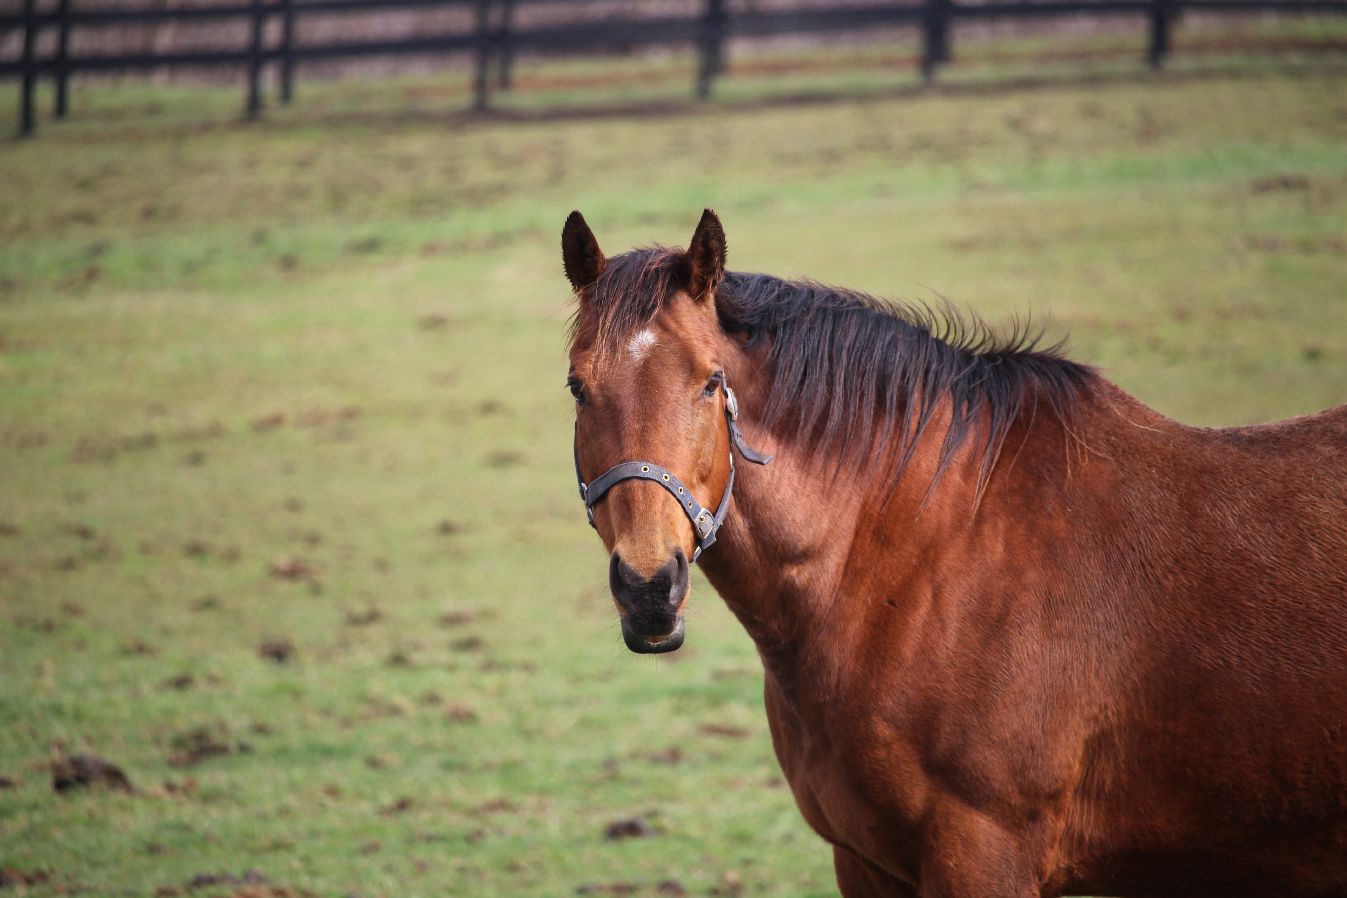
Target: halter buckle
704,523
731,404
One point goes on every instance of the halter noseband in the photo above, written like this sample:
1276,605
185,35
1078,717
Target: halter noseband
705,523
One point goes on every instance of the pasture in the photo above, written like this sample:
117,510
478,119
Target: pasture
288,527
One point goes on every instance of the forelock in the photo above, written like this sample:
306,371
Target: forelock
629,294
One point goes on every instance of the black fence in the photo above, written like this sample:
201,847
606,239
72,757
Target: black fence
494,36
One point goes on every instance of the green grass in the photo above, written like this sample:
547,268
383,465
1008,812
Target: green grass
325,335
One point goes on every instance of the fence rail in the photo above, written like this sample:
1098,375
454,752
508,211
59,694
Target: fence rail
494,37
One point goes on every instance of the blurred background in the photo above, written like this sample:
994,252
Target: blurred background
296,595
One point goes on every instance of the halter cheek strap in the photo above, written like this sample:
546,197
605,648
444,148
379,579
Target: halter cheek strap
705,523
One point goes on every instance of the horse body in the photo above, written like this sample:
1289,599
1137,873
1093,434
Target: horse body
1087,677
1084,650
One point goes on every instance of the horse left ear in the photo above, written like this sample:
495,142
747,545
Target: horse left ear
706,256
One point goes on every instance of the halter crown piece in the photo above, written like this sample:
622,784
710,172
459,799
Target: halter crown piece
705,523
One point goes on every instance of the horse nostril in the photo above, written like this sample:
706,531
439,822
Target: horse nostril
679,577
634,592
623,581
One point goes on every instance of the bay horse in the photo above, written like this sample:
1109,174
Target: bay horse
1021,635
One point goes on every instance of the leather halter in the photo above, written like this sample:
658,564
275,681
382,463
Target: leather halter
705,523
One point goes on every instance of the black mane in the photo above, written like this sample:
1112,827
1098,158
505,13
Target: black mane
852,372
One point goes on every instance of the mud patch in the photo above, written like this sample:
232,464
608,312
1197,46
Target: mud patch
202,743
724,730
85,771
14,878
292,567
628,828
1281,182
278,650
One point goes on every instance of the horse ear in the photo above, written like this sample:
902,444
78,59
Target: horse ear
580,252
706,256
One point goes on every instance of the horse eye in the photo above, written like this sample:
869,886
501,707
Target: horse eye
577,389
712,385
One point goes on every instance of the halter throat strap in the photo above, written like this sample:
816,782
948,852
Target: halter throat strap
705,523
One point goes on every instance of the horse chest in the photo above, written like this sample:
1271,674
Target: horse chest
858,791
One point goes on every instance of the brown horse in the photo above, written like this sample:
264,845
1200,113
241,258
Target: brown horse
1021,634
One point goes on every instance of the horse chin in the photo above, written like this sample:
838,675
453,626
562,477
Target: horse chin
646,645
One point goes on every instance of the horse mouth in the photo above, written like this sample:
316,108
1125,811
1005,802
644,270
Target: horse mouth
654,645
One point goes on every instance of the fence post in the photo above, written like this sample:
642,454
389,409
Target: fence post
62,103
481,91
505,64
1161,15
259,20
29,68
935,37
712,42
287,51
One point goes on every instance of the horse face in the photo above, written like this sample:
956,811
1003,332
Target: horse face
652,395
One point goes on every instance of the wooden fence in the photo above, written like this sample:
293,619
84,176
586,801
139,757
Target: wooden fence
495,37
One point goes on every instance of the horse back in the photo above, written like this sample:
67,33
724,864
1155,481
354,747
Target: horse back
1218,745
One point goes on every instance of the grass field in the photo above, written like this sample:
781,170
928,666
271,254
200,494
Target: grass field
288,528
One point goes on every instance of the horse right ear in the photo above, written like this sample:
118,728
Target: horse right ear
580,253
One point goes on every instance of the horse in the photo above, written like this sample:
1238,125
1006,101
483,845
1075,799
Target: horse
1021,635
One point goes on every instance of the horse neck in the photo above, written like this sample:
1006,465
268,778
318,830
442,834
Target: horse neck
788,546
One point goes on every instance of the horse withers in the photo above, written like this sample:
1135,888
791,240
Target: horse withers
1021,634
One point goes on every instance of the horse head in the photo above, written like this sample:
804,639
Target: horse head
655,419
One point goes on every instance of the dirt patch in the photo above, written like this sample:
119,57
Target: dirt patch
455,618
364,246
1280,182
382,762
13,878
292,567
363,618
468,644
84,771
278,650
460,714
198,744
401,806
90,450
322,417
496,806
211,431
1276,243
184,787
669,757
81,531
724,730
730,885
138,647
250,884
505,458
628,828
268,422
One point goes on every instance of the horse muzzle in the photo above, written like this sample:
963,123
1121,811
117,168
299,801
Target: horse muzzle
650,605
